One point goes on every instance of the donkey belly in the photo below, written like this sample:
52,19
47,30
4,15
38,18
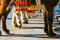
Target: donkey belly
3,5
50,2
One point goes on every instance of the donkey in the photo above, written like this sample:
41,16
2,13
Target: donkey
48,17
21,8
5,8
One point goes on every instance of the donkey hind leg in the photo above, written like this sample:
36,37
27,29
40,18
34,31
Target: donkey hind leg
0,22
18,20
28,15
25,18
14,20
4,28
50,20
0,33
46,24
50,30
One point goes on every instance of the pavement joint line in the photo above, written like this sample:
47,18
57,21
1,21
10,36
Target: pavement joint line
31,35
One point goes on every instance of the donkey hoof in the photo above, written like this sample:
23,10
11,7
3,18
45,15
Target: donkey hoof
19,26
26,22
7,32
16,25
0,33
29,17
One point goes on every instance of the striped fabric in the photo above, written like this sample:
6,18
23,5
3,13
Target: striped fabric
23,2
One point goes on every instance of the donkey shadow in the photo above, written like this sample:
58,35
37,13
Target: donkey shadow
32,35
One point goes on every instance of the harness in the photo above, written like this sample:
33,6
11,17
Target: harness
23,4
20,2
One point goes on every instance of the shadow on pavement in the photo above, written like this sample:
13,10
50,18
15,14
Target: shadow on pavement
32,35
32,27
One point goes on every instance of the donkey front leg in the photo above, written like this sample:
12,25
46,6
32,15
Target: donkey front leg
14,23
0,33
4,28
18,18
0,22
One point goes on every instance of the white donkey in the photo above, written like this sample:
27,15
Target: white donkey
19,17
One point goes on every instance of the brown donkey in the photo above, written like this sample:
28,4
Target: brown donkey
49,5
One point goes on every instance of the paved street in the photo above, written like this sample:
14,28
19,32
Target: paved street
31,31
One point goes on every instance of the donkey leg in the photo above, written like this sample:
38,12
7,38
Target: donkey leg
29,16
46,24
50,23
0,33
25,17
50,20
14,20
4,28
19,23
0,21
